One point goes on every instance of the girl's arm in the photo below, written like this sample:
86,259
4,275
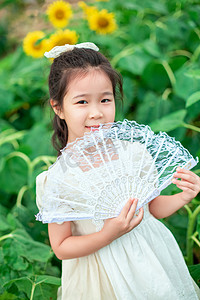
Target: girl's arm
66,246
164,206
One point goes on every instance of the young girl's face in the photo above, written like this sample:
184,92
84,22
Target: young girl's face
88,102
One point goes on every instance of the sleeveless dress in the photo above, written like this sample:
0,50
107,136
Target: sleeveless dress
144,264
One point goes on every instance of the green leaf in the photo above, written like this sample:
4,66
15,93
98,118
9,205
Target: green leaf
14,175
138,32
155,76
179,221
185,86
170,122
193,73
152,108
6,100
39,141
193,99
6,296
20,247
23,214
129,90
3,210
195,273
13,222
4,226
198,225
23,284
157,7
39,287
48,279
152,48
135,63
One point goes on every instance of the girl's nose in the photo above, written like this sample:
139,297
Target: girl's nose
95,113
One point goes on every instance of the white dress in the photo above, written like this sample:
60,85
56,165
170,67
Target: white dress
144,264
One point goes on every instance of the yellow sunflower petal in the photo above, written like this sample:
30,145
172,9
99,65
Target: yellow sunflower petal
34,45
102,22
88,10
59,13
62,37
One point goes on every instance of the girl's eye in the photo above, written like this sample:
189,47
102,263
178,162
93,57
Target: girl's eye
82,102
105,100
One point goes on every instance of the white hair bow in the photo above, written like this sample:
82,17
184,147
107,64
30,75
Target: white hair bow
56,51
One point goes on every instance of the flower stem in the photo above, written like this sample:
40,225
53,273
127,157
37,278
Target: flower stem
6,236
189,126
11,137
125,52
21,194
32,291
189,239
169,72
195,239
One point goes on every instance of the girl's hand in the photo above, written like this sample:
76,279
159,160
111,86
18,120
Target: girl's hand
189,184
115,227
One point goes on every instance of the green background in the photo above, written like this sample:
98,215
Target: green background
156,48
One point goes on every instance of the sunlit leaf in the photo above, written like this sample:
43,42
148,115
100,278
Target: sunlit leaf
185,86
134,63
193,73
169,122
193,99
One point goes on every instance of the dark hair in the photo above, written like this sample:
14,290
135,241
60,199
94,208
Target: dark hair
65,68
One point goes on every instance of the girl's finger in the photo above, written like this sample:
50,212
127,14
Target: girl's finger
185,189
135,221
132,210
126,208
186,177
183,183
184,171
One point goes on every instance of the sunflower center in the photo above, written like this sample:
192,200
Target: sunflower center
37,46
102,22
59,14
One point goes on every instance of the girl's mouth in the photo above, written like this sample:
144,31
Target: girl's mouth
93,127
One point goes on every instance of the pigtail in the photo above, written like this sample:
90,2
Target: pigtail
60,135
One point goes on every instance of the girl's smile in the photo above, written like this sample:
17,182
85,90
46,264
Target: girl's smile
93,127
89,102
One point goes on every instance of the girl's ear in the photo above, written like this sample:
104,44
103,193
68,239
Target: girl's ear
57,109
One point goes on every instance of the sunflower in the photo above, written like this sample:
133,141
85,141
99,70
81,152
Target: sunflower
62,37
35,45
102,22
88,10
59,13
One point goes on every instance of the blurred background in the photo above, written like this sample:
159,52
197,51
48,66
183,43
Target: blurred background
155,45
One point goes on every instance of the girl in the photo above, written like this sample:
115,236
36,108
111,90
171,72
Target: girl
131,257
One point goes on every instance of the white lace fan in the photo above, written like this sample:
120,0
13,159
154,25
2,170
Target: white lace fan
96,175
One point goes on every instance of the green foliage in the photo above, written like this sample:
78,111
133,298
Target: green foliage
169,122
36,287
24,261
156,49
195,272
